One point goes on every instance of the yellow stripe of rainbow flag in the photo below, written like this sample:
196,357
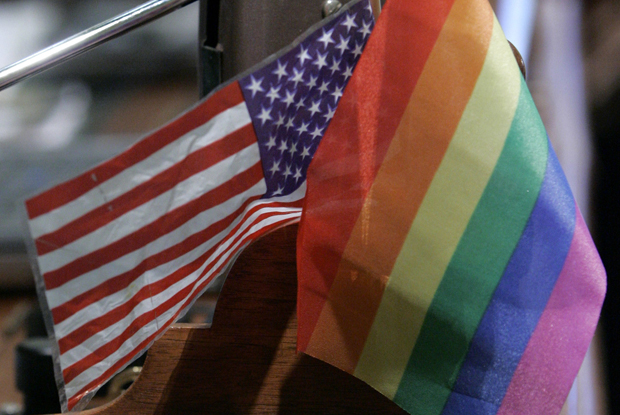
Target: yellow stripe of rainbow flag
442,218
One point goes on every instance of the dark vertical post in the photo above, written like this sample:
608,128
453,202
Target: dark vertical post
209,49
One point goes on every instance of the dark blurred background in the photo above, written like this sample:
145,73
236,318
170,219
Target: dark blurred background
602,63
58,123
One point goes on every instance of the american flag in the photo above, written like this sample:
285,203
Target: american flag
125,248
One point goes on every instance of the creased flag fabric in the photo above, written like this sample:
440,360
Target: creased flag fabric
441,256
123,249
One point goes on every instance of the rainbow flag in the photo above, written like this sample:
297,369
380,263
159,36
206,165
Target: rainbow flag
441,256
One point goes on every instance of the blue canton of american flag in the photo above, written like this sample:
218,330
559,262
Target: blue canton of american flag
293,99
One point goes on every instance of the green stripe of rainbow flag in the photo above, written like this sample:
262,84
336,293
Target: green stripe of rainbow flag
438,240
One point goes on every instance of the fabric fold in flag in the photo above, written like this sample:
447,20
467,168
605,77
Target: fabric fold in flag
438,241
125,248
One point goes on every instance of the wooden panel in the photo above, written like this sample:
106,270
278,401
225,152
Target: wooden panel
247,362
13,311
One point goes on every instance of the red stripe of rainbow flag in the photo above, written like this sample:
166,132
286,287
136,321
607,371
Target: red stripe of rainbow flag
440,239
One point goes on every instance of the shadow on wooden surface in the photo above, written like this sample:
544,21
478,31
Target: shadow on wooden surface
246,363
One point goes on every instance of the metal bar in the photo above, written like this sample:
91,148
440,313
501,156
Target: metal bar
209,54
87,40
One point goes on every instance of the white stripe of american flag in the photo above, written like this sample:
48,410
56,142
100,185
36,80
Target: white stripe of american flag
286,217
182,193
94,278
219,126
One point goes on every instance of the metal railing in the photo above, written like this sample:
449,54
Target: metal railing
86,40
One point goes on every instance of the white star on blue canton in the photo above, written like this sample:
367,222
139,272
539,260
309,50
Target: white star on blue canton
278,191
297,174
315,107
317,132
300,103
350,21
335,65
348,72
343,46
312,82
298,76
321,60
290,98
281,71
265,115
337,93
271,143
275,167
283,147
365,29
303,128
273,93
305,153
287,172
293,148
303,56
280,120
326,39
330,113
357,51
289,123
255,85
324,87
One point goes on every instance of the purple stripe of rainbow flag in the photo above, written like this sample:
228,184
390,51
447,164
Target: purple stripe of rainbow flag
437,243
520,298
549,257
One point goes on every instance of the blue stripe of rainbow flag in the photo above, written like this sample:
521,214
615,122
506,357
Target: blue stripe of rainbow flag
519,300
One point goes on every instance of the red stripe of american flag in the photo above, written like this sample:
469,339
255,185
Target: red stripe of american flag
154,230
194,163
95,325
74,370
74,399
122,281
62,194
